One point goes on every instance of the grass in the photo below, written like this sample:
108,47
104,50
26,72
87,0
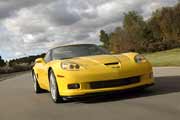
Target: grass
165,58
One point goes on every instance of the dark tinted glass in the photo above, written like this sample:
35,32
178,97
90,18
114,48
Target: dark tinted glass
77,51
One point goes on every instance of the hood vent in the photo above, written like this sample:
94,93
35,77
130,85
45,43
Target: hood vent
114,63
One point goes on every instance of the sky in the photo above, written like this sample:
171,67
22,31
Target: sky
30,27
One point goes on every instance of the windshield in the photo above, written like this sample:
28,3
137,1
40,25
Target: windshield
72,51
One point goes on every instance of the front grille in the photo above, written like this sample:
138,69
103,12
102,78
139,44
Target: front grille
114,83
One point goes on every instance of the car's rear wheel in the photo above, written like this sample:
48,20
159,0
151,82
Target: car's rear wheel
36,86
54,89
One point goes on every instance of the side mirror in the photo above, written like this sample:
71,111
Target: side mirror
39,60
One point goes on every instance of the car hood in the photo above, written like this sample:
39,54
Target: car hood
99,59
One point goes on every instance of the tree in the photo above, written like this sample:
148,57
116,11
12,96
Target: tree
104,38
120,41
165,28
2,62
136,28
160,32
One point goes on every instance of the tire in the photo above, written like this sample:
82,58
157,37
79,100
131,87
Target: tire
54,89
37,88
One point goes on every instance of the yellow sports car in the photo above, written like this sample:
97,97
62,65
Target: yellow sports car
83,69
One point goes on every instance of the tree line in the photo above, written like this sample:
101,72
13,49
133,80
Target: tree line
17,65
159,32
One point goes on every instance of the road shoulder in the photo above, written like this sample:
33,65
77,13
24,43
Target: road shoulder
11,75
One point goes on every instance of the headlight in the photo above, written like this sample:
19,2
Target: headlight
70,66
139,58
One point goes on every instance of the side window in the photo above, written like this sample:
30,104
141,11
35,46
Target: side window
47,58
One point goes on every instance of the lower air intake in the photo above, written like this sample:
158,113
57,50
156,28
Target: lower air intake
114,83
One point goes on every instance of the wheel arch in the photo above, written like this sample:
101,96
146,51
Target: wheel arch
49,70
34,72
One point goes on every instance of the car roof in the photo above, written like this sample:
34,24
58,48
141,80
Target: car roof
70,45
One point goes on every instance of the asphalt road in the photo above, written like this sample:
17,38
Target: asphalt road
161,102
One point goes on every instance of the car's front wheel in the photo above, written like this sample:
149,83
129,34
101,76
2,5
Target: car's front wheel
54,89
36,86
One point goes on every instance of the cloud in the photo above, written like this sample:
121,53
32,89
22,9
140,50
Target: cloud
9,7
62,14
33,26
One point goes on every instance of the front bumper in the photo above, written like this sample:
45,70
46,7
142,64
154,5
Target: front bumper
85,88
109,92
99,74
